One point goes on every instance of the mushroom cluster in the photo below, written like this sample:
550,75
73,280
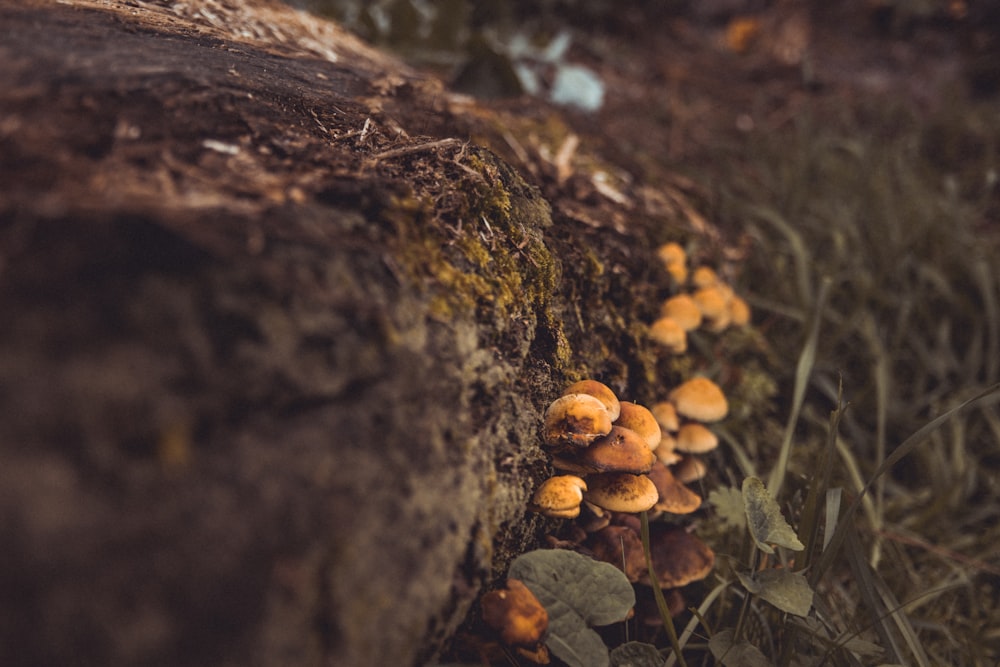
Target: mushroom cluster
710,302
615,458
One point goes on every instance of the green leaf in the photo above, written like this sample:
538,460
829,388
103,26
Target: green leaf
767,525
728,504
636,654
577,592
788,591
736,654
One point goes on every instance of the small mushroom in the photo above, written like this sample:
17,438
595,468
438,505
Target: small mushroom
695,438
559,497
621,450
666,416
674,497
639,419
704,276
622,547
739,311
682,309
674,261
678,556
666,451
700,398
575,421
516,614
621,492
690,469
598,390
668,333
713,304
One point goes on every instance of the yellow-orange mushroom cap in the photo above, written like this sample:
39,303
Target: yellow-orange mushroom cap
700,398
668,333
516,614
695,438
621,492
575,420
559,497
639,419
598,390
682,309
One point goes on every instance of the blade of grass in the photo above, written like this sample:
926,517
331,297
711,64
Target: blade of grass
907,446
802,372
697,617
661,603
864,580
818,485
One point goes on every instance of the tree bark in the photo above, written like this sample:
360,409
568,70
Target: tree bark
276,339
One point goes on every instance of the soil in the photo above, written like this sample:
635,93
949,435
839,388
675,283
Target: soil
281,312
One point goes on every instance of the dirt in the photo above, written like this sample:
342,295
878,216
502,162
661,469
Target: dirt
281,313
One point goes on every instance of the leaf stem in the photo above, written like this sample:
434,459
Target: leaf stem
661,603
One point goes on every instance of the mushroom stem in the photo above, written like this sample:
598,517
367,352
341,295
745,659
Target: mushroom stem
661,603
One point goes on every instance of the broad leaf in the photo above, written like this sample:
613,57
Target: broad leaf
729,507
788,591
578,592
767,525
636,654
738,654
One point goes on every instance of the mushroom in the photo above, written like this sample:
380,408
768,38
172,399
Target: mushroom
621,492
682,309
621,450
598,390
714,306
622,547
666,451
739,311
667,332
678,556
666,416
674,261
575,420
695,438
639,419
559,497
674,497
516,614
704,276
700,398
690,469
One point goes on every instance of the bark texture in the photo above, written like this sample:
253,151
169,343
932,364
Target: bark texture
276,340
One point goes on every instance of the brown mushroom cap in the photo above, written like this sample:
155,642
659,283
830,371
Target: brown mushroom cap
700,398
621,492
695,438
622,547
678,556
639,419
667,332
516,614
682,309
674,497
559,497
621,450
575,420
690,469
598,390
666,416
